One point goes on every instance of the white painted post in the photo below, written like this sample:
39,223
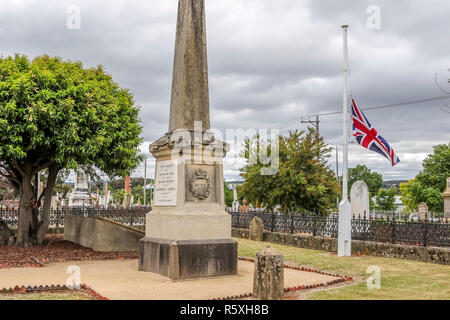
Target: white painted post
345,219
145,180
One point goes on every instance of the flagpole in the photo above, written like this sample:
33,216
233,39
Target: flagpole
345,112
345,222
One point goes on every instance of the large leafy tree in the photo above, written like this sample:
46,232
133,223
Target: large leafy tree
385,199
430,183
55,114
373,179
303,181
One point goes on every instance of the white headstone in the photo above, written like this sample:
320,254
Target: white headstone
359,198
423,211
81,180
236,203
446,196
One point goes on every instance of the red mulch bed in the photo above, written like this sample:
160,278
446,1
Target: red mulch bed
55,250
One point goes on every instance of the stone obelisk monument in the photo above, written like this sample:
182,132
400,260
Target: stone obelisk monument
188,232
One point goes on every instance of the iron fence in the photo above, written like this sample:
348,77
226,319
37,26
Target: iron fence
392,230
131,217
397,231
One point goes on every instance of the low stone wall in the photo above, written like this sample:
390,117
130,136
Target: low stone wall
101,234
388,250
55,230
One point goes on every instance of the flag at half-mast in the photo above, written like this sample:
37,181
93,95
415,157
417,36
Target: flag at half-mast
368,137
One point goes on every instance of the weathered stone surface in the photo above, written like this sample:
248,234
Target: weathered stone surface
197,155
446,196
190,91
256,229
359,198
423,211
80,196
268,283
437,255
101,234
189,224
188,259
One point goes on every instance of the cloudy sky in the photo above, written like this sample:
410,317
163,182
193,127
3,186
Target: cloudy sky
270,62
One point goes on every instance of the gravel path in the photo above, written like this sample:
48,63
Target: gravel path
120,280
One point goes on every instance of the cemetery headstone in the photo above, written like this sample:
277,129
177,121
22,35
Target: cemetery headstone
256,229
236,203
359,198
446,196
268,281
80,196
423,212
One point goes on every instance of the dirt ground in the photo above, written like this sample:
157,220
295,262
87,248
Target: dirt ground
120,280
55,250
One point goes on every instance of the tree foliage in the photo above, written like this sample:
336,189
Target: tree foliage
229,195
430,183
303,182
373,180
55,114
385,199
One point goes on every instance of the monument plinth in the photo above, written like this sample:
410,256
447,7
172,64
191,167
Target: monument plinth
188,232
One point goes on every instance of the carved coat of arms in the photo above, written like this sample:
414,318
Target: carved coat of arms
200,185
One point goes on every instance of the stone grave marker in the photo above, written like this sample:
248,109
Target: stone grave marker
268,282
256,229
423,211
359,198
446,196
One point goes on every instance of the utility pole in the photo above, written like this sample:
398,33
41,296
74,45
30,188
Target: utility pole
315,123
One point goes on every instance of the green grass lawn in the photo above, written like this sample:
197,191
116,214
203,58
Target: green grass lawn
66,295
400,279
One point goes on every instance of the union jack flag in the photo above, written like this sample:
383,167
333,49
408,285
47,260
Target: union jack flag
368,137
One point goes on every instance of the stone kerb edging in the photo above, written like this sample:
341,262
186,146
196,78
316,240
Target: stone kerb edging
295,288
50,289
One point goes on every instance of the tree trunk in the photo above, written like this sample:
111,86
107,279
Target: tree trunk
35,204
25,211
6,234
48,192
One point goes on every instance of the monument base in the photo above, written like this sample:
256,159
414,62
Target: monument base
188,259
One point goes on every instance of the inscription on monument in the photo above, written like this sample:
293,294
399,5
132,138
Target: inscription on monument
166,184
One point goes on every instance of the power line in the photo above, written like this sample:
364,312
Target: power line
286,124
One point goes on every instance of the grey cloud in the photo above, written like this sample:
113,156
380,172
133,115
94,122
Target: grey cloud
270,61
